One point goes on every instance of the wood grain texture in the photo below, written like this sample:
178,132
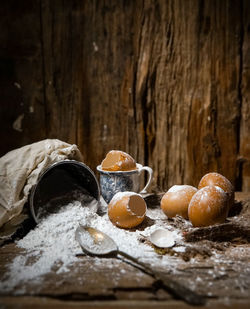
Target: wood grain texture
166,81
244,155
50,303
21,77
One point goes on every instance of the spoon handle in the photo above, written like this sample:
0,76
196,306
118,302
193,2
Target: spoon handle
142,265
171,285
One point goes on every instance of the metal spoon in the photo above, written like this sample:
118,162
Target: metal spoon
97,243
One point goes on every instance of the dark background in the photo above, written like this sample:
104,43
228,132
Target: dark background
166,81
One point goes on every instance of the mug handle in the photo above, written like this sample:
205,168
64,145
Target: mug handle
150,171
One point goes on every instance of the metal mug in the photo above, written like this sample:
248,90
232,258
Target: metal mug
112,182
60,184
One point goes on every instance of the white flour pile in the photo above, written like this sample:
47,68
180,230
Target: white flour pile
52,245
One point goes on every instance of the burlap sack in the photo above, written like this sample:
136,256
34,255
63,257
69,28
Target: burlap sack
20,169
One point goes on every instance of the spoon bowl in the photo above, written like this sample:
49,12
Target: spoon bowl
94,242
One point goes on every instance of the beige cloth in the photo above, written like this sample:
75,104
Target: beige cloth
20,169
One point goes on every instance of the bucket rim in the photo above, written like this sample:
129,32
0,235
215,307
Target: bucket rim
50,167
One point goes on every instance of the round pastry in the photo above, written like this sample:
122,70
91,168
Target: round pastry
127,209
208,206
176,200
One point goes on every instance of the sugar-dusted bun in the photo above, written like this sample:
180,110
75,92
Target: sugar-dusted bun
216,179
176,200
117,160
127,209
208,206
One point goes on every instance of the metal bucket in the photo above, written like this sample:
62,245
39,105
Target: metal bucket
62,183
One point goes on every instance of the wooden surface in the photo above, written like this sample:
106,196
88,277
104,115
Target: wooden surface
219,270
166,81
43,302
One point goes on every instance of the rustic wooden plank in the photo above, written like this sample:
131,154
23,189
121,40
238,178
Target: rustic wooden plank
244,155
89,278
201,64
178,80
62,25
108,76
43,302
21,75
166,81
217,269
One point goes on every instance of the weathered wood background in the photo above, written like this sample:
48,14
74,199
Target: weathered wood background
166,81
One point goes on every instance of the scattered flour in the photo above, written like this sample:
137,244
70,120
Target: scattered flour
184,188
52,246
118,196
179,249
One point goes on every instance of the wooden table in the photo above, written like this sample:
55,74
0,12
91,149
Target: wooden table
219,269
